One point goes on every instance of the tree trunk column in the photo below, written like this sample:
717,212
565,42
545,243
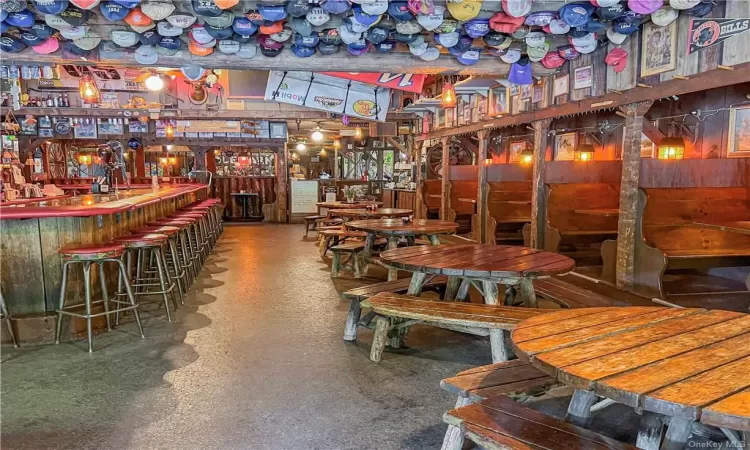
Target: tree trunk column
482,188
631,173
419,201
538,199
282,183
445,201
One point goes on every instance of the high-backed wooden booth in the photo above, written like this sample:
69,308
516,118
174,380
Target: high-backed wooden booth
508,202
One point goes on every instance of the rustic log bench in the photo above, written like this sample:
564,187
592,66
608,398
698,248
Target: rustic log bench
430,193
355,250
461,211
500,423
481,320
335,236
357,295
666,235
569,295
512,378
311,223
573,233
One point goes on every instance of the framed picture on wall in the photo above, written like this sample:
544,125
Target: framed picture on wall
662,45
565,146
46,132
647,146
499,101
536,94
583,77
516,148
561,86
739,132
515,89
85,130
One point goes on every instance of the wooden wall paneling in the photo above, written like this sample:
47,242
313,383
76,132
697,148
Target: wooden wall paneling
20,245
710,57
736,50
52,267
581,61
468,173
722,172
712,131
628,77
599,86
509,172
445,202
562,172
686,64
560,99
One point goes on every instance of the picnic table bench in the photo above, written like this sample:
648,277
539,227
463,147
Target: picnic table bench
470,318
569,295
355,250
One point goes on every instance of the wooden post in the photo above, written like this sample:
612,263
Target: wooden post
445,201
282,184
538,199
419,201
631,173
482,188
140,162
211,160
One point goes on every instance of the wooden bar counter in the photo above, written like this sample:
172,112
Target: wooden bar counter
32,232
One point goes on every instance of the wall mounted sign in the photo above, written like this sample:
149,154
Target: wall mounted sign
661,43
401,81
704,33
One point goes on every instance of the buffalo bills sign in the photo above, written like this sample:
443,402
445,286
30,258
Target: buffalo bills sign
707,32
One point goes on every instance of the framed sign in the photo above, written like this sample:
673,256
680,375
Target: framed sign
561,85
661,43
739,132
583,77
565,146
516,148
85,130
499,101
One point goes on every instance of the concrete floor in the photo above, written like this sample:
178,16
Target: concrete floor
254,360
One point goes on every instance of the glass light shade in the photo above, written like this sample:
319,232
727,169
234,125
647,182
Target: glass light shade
448,97
154,83
84,159
584,152
671,148
317,136
88,90
301,147
169,131
527,156
172,160
323,152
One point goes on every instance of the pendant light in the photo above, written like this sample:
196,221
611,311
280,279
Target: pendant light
317,134
88,90
154,82
169,130
584,152
527,156
323,153
448,97
358,133
301,147
84,159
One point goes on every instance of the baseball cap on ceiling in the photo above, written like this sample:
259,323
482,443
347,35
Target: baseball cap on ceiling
540,18
146,54
272,12
21,19
448,26
497,40
31,39
218,33
615,37
410,27
399,10
297,8
535,39
270,52
568,52
348,35
114,12
255,17
376,35
44,31
335,6
586,48
330,36
684,4
150,37
557,26
165,29
624,27
327,49
318,16
418,46
364,18
536,54
385,47
124,38
223,20
50,6
128,3
165,51
242,38
85,4
516,8
552,60
447,40
271,27
70,48
521,72
576,14
247,51
137,18
301,51
56,22
171,43
265,41
229,47
206,8
242,25
618,59
645,6
463,44
226,4
88,42
504,23
432,21
306,41
605,3
199,50
405,38
181,20
13,5
511,55
521,32
376,7
157,10
664,16
11,44
582,40
701,9
469,57
466,10
431,54
610,12
282,36
355,50
74,32
477,28
199,34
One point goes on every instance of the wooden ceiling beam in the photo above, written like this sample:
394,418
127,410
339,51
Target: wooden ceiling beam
380,62
149,139
700,82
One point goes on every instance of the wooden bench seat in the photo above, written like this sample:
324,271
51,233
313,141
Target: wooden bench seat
355,250
335,236
471,318
500,423
512,378
357,295
706,252
568,295
311,223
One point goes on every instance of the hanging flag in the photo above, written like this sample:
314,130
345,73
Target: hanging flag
707,32
401,81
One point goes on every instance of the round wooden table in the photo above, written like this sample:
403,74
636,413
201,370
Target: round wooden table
484,266
345,205
395,229
685,363
362,213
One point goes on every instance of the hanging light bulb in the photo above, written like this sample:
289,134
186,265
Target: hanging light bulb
488,162
173,160
295,156
154,82
527,156
84,159
169,131
358,133
448,98
163,160
169,147
87,89
301,146
337,143
317,135
323,152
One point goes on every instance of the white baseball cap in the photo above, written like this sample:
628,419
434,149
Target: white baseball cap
432,21
664,16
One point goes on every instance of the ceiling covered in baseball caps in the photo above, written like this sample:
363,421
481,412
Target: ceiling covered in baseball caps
514,37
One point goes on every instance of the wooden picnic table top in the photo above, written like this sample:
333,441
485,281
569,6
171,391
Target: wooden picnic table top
397,227
605,212
378,213
689,363
737,226
345,205
467,200
478,261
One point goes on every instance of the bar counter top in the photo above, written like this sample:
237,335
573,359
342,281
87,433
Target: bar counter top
95,204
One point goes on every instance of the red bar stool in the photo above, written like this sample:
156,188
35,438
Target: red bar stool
210,226
200,231
88,255
185,244
173,255
147,248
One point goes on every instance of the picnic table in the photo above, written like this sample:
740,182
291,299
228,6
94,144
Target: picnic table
483,266
362,213
395,229
602,212
689,364
346,205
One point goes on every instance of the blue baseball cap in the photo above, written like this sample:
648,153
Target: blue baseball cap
330,36
302,51
206,8
399,10
3,15
576,14
51,6
150,37
219,33
469,57
447,40
72,49
521,72
297,8
31,39
385,46
463,44
170,43
42,30
128,3
11,44
405,38
23,19
568,52
306,41
610,12
328,49
335,6
357,50
540,18
75,16
113,12
477,28
243,25
376,35
242,38
701,9
625,27
364,18
4,27
272,13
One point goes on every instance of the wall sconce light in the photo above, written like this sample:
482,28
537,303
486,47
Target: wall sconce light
169,131
488,162
173,160
448,97
527,156
358,133
584,152
337,143
84,159
323,153
164,160
671,148
87,89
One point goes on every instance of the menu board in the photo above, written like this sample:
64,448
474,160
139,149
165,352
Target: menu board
304,196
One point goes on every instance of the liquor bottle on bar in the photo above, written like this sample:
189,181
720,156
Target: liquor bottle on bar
66,103
50,104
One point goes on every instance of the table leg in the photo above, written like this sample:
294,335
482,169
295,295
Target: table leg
392,243
526,291
650,431
410,241
463,290
678,433
434,239
451,288
579,409
415,288
499,339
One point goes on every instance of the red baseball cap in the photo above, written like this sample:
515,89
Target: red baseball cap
618,59
553,60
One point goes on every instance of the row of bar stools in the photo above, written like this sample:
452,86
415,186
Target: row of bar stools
86,255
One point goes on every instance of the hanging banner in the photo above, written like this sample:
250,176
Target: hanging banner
400,81
707,32
326,93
